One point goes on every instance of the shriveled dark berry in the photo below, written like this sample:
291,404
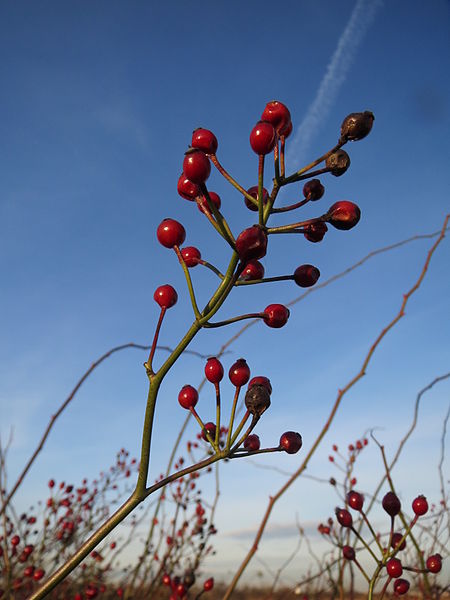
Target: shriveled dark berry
338,162
356,126
348,552
314,232
257,399
391,504
313,190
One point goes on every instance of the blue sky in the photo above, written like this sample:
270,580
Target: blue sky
98,103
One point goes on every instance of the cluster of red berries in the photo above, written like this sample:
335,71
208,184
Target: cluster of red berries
180,586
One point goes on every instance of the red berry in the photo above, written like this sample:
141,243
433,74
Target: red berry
188,396
314,232
213,370
401,586
253,191
420,505
263,137
394,568
252,442
51,483
278,114
286,131
170,233
209,584
253,270
261,380
343,215
205,140
196,166
165,295
348,552
28,571
306,275
181,590
15,540
251,243
38,574
396,537
211,429
203,205
313,190
355,500
344,517
239,372
28,549
291,442
434,563
276,315
187,189
391,504
191,256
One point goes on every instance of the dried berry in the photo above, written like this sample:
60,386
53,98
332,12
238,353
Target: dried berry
257,399
338,162
356,126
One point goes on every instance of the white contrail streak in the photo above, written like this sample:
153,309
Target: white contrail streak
335,75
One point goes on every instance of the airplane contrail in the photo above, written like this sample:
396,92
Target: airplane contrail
335,74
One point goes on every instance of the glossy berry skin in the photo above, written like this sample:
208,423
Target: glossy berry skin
391,504
348,552
211,429
306,275
263,138
261,380
343,215
434,563
196,166
28,571
278,114
213,370
191,255
251,243
15,540
166,296
252,442
420,506
187,189
203,205
356,126
315,232
170,233
291,442
286,131
344,517
166,579
394,568
396,537
38,574
401,586
276,315
209,584
205,140
355,500
253,191
313,190
188,396
181,590
253,270
239,373
51,483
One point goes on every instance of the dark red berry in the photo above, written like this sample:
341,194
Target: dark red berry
15,540
434,563
263,137
420,506
165,295
213,370
396,538
313,190
253,270
355,500
203,205
191,256
314,232
291,442
343,215
170,233
348,552
196,166
391,504
261,380
306,275
239,373
257,399
205,140
278,114
252,442
211,429
356,126
276,315
344,517
187,189
286,131
188,396
251,243
209,584
394,568
253,191
338,162
51,483
38,574
181,590
401,586
28,571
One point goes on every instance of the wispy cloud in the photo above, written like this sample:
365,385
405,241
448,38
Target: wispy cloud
336,73
274,531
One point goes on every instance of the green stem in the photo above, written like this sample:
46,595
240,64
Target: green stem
294,176
228,177
233,412
220,219
287,228
232,320
188,281
264,280
260,190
